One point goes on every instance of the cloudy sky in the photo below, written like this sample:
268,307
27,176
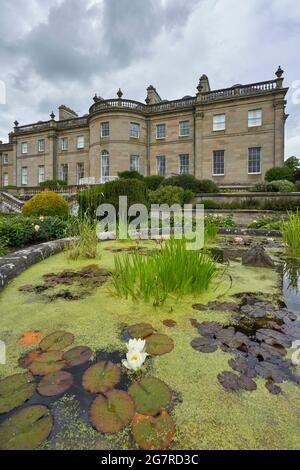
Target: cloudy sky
56,52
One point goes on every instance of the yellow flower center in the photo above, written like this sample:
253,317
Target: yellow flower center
134,357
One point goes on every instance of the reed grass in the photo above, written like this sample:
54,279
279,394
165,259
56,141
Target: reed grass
85,245
290,231
171,271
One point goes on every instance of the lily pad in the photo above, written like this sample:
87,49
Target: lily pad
101,377
56,383
150,395
15,390
48,363
205,345
200,307
30,337
77,356
229,381
246,383
56,341
209,328
274,389
26,429
26,359
158,344
140,330
113,412
170,323
153,433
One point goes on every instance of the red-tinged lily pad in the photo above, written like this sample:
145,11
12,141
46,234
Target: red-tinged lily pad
101,377
56,341
205,345
30,337
158,344
140,330
47,363
26,429
229,381
208,328
26,359
274,389
200,307
55,384
150,395
153,433
15,390
112,412
170,323
246,383
77,356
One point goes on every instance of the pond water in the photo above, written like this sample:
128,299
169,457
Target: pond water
291,285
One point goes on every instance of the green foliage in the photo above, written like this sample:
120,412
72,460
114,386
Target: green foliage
19,230
112,412
173,270
267,223
290,231
183,181
101,377
134,189
86,244
279,173
3,246
130,175
15,390
274,204
89,200
207,186
282,186
150,395
153,182
52,183
46,203
56,341
210,231
292,163
170,195
281,204
263,187
224,221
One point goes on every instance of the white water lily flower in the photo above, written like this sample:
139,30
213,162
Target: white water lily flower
136,355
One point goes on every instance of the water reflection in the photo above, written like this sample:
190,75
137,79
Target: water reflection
291,285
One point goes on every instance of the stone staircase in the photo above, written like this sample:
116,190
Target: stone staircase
9,203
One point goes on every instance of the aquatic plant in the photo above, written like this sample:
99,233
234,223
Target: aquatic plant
47,363
157,344
55,384
211,229
15,390
57,340
136,354
290,231
113,412
86,244
172,270
150,395
101,377
153,433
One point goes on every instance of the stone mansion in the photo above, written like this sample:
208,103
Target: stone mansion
231,136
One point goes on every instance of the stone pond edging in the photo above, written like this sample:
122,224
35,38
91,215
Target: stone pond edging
15,263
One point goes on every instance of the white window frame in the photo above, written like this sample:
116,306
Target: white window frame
104,126
184,125
134,166
41,145
219,122
80,142
248,162
5,159
62,172
79,172
184,168
215,152
41,174
24,175
159,160
65,143
255,118
5,180
158,134
24,148
135,130
105,165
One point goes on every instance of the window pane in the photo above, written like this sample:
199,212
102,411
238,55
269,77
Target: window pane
255,118
41,174
24,147
134,163
105,165
160,131
80,142
65,143
254,160
5,179
80,172
134,130
161,165
184,128
184,164
5,159
219,122
24,178
104,129
65,173
218,162
41,145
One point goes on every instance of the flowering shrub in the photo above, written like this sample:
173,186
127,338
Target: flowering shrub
220,221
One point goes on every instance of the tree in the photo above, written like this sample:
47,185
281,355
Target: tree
293,163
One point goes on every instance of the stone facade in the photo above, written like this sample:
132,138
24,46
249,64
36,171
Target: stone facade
232,136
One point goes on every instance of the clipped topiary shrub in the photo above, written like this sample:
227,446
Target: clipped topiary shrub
170,195
282,186
47,203
153,182
183,181
89,200
279,173
52,183
134,189
130,175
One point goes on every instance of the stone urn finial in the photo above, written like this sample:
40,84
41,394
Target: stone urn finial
16,123
279,72
52,115
120,93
